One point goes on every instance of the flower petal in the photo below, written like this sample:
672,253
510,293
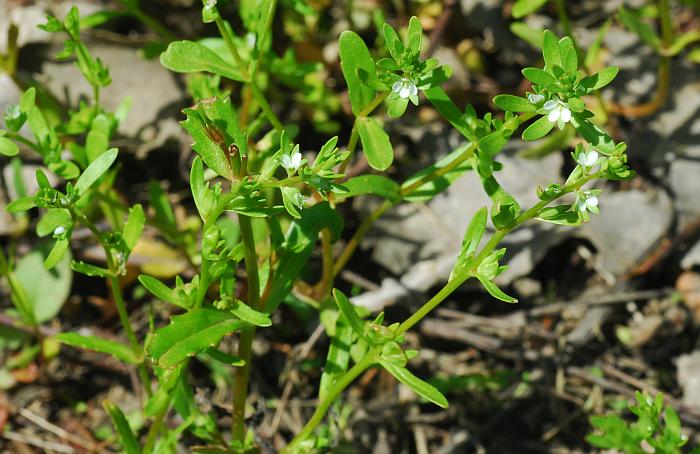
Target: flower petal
550,105
554,115
564,114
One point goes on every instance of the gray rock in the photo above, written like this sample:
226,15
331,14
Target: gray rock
685,184
155,94
692,257
630,224
688,369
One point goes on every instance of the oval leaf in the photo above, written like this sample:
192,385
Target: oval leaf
420,387
95,170
538,129
375,143
355,59
190,57
514,103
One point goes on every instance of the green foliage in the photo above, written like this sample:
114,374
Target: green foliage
657,426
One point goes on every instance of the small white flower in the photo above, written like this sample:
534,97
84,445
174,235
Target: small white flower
535,99
405,88
587,201
587,159
210,4
12,112
60,230
558,110
291,163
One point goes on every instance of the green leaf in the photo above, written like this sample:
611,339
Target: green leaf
164,214
539,76
396,106
420,387
550,50
89,269
291,198
99,344
97,140
47,298
163,292
430,189
375,143
447,108
225,358
472,237
355,59
349,312
250,315
633,21
8,147
393,42
191,333
561,215
204,198
569,58
57,253
600,140
370,184
415,36
522,8
338,357
190,57
491,144
298,246
53,218
126,436
214,127
21,204
133,226
600,79
538,129
495,291
95,170
514,103
531,35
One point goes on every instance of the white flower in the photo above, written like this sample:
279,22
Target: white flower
587,201
587,159
12,112
291,163
210,4
558,110
405,88
60,230
535,99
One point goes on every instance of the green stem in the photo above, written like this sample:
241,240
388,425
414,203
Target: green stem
227,35
369,359
245,343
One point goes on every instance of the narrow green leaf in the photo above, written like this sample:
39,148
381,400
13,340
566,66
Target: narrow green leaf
569,58
522,8
600,140
99,344
393,42
492,143
447,108
89,269
495,291
430,189
133,226
514,103
415,35
349,312
550,50
539,76
57,253
538,129
126,435
633,21
8,147
472,237
190,57
162,291
97,139
338,358
370,184
600,79
95,170
420,387
375,143
190,333
297,248
225,358
355,59
21,204
561,215
250,315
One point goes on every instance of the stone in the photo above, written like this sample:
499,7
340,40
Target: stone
688,369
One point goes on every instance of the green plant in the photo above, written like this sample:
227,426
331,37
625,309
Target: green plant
657,429
248,166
